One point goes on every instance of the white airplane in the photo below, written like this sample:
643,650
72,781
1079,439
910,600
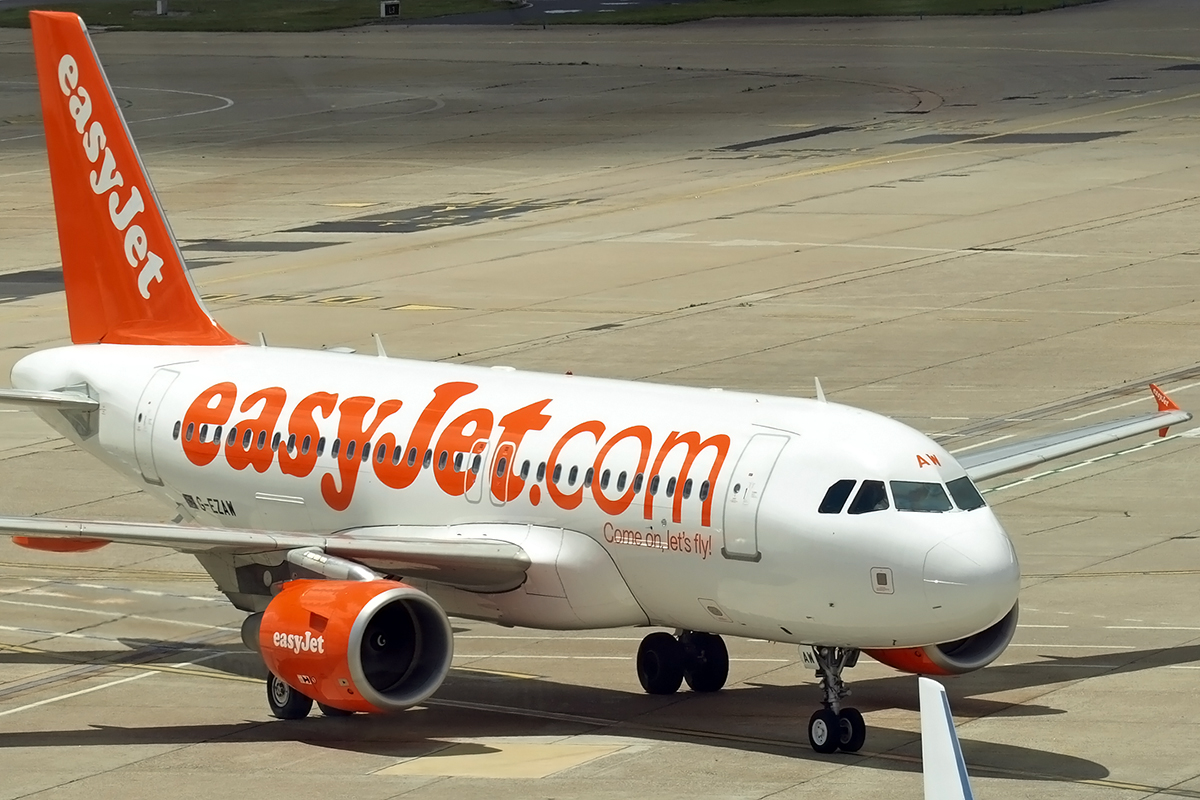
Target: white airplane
349,503
942,764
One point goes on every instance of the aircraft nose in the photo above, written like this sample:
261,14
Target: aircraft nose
974,573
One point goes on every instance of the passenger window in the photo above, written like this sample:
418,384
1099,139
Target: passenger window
178,425
442,459
920,496
541,473
637,482
217,434
654,485
203,432
604,479
587,477
275,442
337,447
382,453
687,488
321,446
572,475
350,445
291,443
704,490
262,439
671,488
246,439
397,452
501,463
458,459
621,482
306,445
557,472
412,456
190,430
871,497
232,436
965,495
428,459
836,497
525,469
366,452
476,463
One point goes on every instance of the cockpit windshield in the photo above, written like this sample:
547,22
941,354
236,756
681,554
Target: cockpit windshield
871,497
920,496
965,495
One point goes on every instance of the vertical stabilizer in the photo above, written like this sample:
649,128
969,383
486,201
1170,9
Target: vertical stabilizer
125,279
941,757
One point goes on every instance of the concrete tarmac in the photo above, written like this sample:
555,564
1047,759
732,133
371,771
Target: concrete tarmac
983,227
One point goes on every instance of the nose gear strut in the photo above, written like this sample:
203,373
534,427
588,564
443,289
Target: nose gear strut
834,726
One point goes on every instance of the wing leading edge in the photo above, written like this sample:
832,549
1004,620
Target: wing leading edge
995,461
945,770
468,556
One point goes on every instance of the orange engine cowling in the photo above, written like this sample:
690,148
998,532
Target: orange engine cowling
355,645
953,658
51,544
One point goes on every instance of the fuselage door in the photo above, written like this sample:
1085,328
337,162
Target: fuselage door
143,423
502,475
744,493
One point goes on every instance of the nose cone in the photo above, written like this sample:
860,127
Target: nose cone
974,575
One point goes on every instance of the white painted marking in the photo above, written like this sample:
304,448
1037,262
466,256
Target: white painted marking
1129,403
1151,628
117,615
1183,666
1079,646
118,682
1043,626
60,697
981,444
956,419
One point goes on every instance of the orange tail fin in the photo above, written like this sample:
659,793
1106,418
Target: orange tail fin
125,278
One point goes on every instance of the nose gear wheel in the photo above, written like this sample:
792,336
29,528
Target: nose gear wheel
835,727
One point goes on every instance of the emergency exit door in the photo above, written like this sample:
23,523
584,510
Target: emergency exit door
744,494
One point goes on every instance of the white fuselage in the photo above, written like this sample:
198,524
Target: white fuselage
721,533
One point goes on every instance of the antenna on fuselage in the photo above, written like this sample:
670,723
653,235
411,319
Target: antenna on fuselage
262,339
820,391
379,351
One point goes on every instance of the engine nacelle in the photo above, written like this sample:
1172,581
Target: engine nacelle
953,658
355,645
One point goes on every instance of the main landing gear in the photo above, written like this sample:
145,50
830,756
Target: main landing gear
665,661
287,703
835,727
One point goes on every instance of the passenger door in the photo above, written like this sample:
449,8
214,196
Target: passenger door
746,486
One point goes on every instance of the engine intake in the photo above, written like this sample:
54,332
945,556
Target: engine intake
355,645
953,658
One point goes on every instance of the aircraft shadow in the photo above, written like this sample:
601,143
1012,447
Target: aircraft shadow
751,717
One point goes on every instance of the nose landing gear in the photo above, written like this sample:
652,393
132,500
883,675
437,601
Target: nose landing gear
665,661
834,727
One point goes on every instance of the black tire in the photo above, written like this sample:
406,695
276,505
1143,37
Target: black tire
823,731
852,729
286,702
660,663
707,661
330,711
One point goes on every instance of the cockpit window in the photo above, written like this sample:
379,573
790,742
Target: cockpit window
965,495
871,497
835,498
918,496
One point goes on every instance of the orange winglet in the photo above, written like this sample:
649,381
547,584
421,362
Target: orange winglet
125,279
1165,403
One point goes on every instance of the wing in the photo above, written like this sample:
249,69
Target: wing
477,557
995,461
942,762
